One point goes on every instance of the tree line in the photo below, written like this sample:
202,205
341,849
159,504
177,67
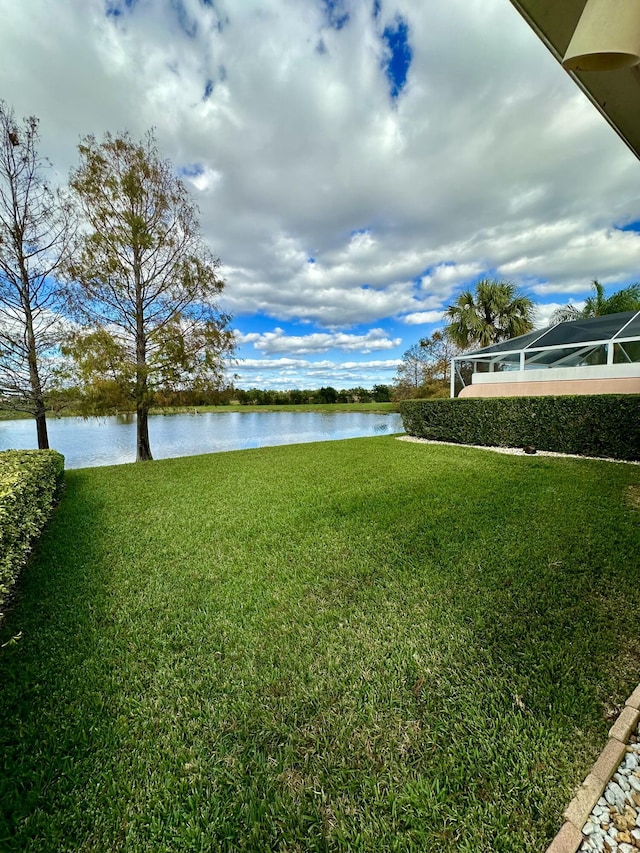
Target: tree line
106,284
326,394
71,399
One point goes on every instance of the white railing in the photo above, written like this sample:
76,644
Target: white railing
550,374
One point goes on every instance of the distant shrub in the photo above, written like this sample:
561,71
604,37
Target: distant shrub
591,425
30,481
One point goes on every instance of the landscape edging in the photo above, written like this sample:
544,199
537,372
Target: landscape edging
570,836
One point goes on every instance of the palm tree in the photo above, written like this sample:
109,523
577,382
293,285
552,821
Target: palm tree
497,311
627,299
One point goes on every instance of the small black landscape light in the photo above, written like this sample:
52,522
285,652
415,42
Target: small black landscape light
528,448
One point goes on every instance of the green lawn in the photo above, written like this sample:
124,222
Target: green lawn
368,645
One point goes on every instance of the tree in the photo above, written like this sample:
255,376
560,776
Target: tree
326,395
35,230
425,367
438,351
144,281
296,396
381,393
496,312
627,299
357,395
413,374
410,374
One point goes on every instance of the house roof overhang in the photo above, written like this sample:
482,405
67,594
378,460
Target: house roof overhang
616,94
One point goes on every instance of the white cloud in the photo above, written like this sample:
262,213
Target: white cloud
544,313
567,261
205,179
327,202
327,364
421,317
445,277
248,364
278,341
303,373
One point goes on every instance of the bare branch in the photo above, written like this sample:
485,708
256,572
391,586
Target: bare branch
35,235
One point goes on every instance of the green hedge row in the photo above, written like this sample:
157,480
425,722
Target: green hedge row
30,481
594,425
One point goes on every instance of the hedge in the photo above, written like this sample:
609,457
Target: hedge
30,481
592,425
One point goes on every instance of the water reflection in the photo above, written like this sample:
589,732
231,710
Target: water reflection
111,441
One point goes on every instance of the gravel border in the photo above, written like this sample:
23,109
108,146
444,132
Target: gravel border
514,451
604,815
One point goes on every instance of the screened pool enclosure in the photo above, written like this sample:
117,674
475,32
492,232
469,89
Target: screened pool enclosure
588,356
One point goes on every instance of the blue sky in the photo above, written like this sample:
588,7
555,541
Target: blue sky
356,162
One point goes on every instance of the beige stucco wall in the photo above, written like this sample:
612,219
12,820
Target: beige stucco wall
628,385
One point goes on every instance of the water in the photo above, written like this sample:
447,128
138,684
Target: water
112,441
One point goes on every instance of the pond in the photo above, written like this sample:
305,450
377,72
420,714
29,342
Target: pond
87,443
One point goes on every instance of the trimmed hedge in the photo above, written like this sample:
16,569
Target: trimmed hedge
591,425
30,481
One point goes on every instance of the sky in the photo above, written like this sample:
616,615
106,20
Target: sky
356,163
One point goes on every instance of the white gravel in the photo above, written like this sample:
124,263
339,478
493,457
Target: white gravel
512,451
614,823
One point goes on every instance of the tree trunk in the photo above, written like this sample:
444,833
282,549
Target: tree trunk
143,448
37,396
41,429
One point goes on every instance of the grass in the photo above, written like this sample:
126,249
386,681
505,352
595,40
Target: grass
373,408
367,645
7,415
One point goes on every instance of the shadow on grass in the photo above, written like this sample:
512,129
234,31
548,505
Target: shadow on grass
54,708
